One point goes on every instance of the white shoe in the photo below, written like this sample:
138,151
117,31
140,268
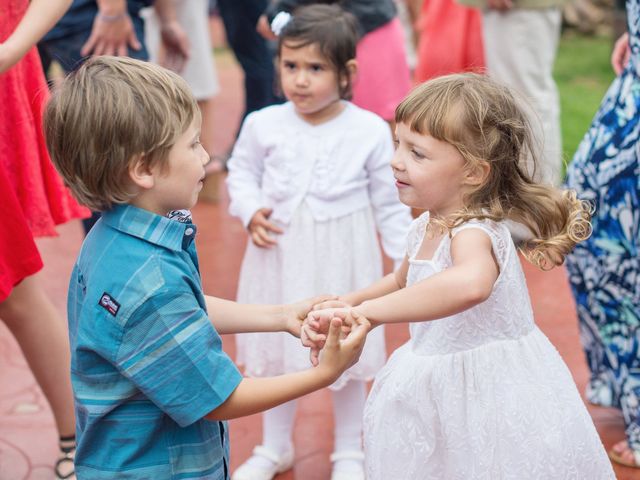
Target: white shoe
281,463
347,455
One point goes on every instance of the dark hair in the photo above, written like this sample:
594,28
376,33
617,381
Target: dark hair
334,30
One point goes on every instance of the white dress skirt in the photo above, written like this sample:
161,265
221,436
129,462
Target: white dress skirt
336,257
480,395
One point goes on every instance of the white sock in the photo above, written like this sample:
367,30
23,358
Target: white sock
348,405
277,425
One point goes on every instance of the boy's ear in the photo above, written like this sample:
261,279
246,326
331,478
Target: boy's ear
141,174
478,174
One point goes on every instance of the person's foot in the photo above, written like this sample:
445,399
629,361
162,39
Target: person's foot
64,468
347,465
623,454
264,464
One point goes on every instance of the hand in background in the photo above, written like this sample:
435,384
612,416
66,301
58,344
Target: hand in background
500,5
175,46
111,35
264,29
260,228
296,313
621,54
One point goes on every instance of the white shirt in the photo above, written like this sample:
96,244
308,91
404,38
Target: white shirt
337,168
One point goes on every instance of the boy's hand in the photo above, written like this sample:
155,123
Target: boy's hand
296,313
260,228
338,355
316,327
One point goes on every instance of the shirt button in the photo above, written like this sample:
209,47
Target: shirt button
188,231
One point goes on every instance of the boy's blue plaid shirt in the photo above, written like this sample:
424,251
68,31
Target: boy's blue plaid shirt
146,364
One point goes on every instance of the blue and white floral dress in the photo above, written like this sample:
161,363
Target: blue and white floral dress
604,271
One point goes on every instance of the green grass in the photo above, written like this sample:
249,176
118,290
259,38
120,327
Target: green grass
583,74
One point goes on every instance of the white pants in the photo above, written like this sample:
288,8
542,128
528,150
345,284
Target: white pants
520,49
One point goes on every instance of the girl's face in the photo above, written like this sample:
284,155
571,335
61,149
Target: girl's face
310,82
430,174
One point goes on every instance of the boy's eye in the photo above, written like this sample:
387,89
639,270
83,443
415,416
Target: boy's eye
396,144
289,65
317,68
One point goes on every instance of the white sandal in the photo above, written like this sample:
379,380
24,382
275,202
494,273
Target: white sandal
347,455
281,463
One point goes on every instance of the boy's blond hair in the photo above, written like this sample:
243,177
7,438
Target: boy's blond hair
109,113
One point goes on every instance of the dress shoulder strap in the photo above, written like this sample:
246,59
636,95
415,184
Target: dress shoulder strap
496,231
417,231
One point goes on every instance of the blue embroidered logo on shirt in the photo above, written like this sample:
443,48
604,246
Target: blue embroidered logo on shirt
109,304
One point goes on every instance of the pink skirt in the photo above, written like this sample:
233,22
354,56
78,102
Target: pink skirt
383,77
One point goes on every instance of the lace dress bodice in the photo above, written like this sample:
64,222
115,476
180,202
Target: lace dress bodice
506,314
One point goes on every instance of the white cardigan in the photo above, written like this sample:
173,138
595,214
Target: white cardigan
337,167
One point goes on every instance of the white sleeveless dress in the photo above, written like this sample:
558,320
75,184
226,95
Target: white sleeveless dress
481,395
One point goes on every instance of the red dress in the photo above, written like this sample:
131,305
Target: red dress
450,40
33,197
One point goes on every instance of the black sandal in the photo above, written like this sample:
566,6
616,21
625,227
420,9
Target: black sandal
64,467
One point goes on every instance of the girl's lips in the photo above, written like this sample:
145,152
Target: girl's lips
400,184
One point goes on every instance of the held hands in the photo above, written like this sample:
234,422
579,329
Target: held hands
260,228
338,355
296,313
316,327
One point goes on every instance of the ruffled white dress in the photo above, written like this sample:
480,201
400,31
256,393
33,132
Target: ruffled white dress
480,395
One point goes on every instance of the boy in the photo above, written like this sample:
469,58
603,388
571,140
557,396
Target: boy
151,382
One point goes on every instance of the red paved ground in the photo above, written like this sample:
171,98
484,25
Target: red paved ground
27,435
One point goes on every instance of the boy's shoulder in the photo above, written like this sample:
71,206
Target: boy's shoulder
125,268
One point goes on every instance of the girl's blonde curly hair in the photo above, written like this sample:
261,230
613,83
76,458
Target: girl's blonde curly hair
483,120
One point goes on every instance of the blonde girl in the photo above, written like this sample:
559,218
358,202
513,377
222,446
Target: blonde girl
478,391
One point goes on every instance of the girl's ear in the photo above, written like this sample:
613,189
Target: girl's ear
352,69
141,174
478,174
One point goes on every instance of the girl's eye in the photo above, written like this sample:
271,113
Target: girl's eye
417,154
396,144
317,68
289,65
196,143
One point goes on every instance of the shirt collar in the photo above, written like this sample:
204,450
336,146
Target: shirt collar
150,227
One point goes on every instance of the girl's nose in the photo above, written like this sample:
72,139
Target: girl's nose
396,161
302,78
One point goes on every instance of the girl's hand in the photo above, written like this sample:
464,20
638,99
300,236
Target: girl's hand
337,303
260,228
296,313
338,355
111,35
621,54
